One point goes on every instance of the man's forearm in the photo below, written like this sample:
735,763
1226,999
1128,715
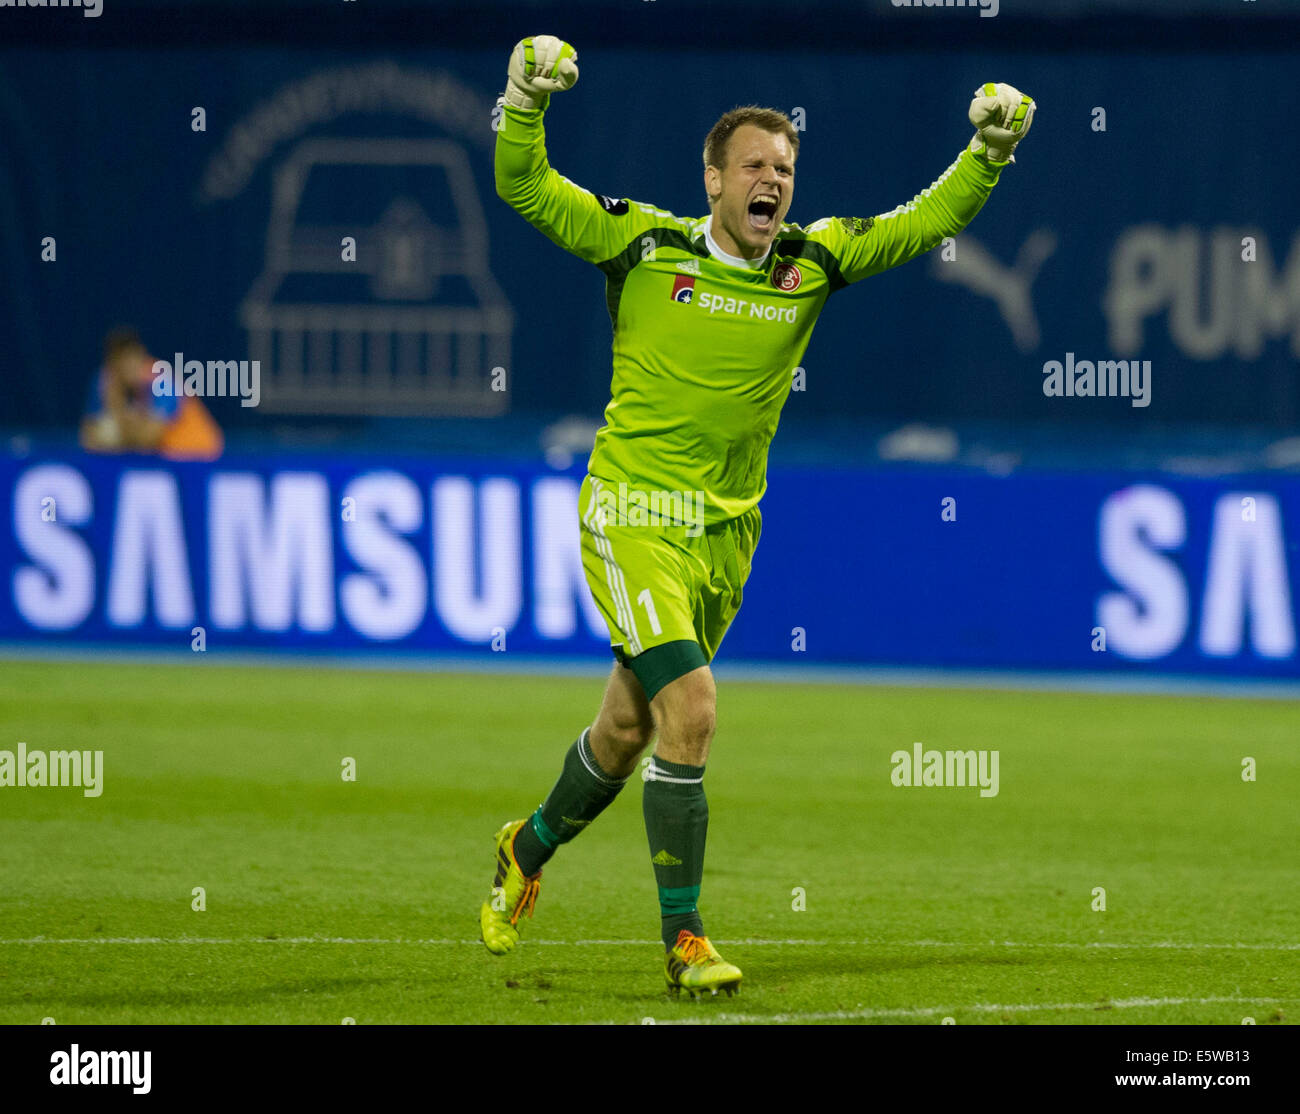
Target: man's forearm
944,209
520,163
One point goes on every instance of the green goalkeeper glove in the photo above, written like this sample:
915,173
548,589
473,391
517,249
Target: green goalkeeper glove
540,66
1001,116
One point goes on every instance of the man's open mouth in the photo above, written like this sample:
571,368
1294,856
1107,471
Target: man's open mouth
762,212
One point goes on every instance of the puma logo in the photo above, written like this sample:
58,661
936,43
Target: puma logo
975,268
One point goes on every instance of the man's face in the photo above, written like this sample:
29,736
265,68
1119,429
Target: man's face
752,194
129,368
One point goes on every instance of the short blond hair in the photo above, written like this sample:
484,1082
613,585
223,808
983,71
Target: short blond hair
769,119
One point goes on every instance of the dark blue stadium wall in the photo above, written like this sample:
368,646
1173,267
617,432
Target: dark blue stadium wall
1126,243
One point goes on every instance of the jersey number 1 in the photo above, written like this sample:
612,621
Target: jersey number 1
649,604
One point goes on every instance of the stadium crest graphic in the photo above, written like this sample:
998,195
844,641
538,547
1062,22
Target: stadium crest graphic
375,295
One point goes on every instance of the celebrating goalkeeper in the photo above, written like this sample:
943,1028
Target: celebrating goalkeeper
711,316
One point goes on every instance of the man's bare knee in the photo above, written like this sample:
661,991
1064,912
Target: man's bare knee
624,726
623,735
692,724
686,713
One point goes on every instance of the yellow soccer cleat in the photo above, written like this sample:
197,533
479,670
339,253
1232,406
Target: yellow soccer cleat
512,895
694,965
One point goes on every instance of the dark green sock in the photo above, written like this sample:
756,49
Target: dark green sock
581,794
676,822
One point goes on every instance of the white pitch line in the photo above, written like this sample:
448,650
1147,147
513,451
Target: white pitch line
1152,944
1156,945
952,1011
188,940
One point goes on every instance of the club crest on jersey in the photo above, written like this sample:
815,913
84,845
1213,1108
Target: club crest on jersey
683,288
786,276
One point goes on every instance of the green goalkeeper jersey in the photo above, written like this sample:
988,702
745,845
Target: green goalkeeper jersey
704,349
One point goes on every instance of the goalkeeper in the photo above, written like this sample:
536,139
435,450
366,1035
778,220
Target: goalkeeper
710,316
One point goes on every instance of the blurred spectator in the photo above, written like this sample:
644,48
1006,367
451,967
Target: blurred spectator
123,414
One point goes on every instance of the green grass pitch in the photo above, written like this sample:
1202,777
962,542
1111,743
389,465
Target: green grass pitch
328,899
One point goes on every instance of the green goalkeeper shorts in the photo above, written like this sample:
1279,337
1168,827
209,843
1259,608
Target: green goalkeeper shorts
655,583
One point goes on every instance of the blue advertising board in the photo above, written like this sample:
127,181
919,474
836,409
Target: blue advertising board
908,566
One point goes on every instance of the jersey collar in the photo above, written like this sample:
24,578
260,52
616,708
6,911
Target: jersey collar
733,260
